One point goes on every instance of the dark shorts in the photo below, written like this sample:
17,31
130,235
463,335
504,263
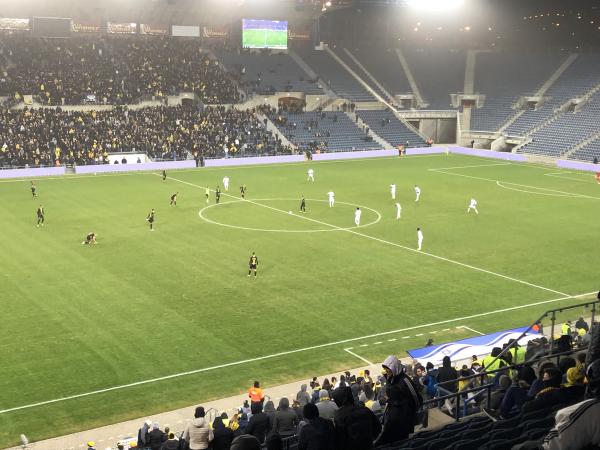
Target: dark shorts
253,266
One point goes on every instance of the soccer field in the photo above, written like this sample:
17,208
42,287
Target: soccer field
122,316
265,38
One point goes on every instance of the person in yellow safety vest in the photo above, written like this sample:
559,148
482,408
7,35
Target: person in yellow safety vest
566,328
517,352
490,362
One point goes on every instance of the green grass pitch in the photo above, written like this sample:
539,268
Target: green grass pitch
141,305
265,39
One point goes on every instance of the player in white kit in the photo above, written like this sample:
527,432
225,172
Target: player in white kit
473,206
311,175
398,210
393,191
331,198
357,215
419,239
226,182
417,192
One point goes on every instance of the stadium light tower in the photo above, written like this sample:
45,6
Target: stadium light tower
435,5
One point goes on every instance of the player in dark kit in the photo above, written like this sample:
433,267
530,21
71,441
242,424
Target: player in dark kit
174,199
243,190
217,195
303,205
150,219
253,264
33,188
40,216
90,239
164,175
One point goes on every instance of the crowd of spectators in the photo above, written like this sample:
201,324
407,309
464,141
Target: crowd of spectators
51,136
116,70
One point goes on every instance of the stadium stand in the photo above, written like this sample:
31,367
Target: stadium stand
438,73
337,77
48,137
566,131
588,152
581,76
386,124
331,131
503,77
267,72
341,53
111,70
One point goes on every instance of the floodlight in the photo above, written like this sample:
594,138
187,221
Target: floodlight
435,5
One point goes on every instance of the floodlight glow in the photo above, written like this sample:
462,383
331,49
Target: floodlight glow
435,5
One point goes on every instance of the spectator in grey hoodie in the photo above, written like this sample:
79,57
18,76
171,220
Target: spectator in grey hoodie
285,420
303,396
326,406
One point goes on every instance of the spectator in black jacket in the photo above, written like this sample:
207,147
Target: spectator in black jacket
223,436
446,378
403,402
171,443
259,424
355,426
156,437
317,433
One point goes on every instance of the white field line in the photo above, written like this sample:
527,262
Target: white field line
475,165
383,241
560,175
570,194
471,329
358,356
290,352
215,168
536,192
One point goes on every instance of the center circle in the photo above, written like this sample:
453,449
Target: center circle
328,228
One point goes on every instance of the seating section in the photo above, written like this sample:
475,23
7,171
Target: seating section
386,124
326,131
581,76
266,72
385,66
569,129
588,152
335,75
57,137
438,73
341,53
504,77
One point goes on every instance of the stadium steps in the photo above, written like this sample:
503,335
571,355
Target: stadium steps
357,77
381,88
270,126
411,79
584,143
311,73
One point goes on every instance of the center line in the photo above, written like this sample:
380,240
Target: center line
383,241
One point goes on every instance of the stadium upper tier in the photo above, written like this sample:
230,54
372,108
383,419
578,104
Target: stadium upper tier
112,70
503,78
267,72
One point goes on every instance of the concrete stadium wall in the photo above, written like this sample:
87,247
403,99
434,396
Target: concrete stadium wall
566,164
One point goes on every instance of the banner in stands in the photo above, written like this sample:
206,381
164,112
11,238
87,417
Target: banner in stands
159,30
121,28
8,23
215,33
465,348
185,31
84,27
37,172
113,168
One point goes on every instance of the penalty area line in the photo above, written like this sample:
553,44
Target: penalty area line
285,353
358,356
383,241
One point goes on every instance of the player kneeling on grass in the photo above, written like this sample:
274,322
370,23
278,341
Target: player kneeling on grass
90,239
473,206
253,264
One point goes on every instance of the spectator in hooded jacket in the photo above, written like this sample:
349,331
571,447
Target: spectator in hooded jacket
156,437
403,403
317,433
222,436
326,406
259,424
197,433
356,427
303,397
285,420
